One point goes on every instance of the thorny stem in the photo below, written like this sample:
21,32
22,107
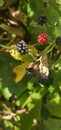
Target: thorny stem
47,50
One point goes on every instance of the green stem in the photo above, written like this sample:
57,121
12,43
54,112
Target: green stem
47,50
7,47
32,55
56,62
51,48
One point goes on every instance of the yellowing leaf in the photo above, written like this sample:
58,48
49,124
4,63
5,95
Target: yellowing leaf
15,54
20,71
33,50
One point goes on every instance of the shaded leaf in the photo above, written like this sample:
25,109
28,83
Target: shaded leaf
53,124
8,4
54,106
34,113
7,83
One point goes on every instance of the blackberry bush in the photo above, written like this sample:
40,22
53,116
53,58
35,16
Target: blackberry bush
35,96
22,47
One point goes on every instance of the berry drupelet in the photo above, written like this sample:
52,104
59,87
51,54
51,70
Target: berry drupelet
42,38
22,47
42,19
58,41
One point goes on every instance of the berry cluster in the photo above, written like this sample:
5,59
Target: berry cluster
22,47
58,41
42,38
42,19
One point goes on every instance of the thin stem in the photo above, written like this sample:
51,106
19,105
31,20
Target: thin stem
56,62
46,51
7,47
32,55
51,48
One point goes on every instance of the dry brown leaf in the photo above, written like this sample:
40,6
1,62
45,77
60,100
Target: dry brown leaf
18,31
19,15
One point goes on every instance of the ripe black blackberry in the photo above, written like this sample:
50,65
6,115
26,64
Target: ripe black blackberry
42,19
29,70
22,47
58,41
43,79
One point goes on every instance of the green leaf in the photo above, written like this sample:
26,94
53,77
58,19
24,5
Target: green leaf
6,93
54,106
1,2
15,54
7,83
32,99
33,50
58,1
34,113
53,124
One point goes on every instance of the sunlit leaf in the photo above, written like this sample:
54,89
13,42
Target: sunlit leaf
54,106
15,54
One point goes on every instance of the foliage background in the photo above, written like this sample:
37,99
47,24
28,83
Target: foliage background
26,104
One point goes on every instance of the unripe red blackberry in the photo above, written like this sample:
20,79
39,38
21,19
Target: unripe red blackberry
42,38
42,19
58,41
22,47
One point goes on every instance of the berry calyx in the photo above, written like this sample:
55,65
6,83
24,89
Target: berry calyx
22,47
42,19
42,38
58,41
